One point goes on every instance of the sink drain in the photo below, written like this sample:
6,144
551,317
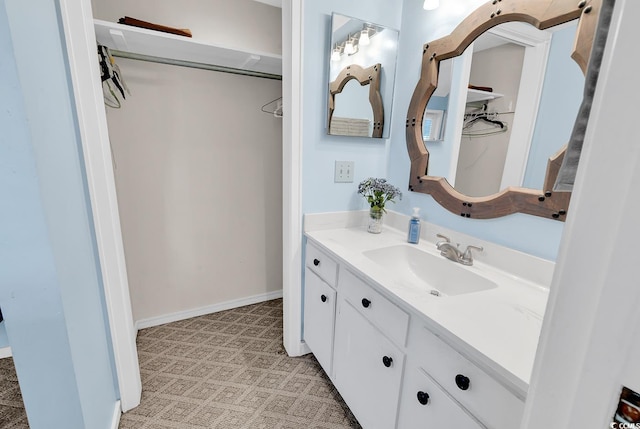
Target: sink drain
434,292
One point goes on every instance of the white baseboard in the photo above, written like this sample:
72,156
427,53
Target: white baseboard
117,412
5,352
188,314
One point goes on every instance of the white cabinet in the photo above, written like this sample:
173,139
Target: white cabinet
320,304
391,370
473,388
368,369
321,264
319,318
425,405
388,317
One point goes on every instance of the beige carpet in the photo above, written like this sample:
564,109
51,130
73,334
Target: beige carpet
12,414
228,370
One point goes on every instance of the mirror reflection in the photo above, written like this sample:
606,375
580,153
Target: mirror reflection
433,121
353,114
352,108
523,96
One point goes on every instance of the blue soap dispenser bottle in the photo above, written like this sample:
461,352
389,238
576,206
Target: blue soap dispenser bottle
414,227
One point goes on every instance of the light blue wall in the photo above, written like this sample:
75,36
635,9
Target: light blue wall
530,234
559,104
4,340
438,103
50,288
319,150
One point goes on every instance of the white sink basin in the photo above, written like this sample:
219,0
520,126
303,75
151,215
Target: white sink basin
431,272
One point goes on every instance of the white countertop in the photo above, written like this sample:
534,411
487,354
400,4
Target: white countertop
498,329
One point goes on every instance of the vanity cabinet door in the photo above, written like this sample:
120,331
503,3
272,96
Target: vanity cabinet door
368,369
319,318
424,405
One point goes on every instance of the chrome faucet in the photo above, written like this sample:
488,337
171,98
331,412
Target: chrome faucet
447,249
453,253
467,257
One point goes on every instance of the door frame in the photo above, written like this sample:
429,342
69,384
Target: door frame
292,71
77,23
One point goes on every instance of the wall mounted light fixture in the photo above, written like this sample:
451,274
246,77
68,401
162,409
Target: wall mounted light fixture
336,53
349,47
351,44
364,37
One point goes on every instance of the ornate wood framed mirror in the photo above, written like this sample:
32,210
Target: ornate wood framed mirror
365,76
541,14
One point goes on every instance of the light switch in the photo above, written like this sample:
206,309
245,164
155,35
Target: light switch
343,172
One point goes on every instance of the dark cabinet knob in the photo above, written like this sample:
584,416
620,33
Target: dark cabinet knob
316,262
387,361
366,303
423,397
462,382
323,298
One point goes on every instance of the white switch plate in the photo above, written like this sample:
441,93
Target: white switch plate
344,172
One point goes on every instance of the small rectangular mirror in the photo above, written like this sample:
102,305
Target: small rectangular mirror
362,68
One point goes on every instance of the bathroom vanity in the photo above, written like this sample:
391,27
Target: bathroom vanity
413,340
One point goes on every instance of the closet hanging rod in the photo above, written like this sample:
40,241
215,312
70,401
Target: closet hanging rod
191,64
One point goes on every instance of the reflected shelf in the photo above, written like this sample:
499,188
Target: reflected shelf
475,95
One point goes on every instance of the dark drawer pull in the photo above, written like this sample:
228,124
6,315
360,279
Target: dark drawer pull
462,382
323,298
366,303
387,361
423,397
316,262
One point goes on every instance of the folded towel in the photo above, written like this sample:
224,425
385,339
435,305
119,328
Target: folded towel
567,174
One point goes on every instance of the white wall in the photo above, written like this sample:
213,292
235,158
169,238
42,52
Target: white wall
198,170
590,336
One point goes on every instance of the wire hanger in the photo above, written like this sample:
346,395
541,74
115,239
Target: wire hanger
275,107
485,118
482,114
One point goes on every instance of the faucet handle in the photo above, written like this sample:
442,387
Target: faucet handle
467,257
444,237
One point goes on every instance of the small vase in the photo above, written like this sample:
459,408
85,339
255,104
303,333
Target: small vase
375,220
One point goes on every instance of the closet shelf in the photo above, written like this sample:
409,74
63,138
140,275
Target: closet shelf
475,95
151,43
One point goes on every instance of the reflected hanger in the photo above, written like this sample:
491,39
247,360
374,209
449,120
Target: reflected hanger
275,107
486,118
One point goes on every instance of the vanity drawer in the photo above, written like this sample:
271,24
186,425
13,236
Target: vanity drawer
425,405
483,396
321,264
386,316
